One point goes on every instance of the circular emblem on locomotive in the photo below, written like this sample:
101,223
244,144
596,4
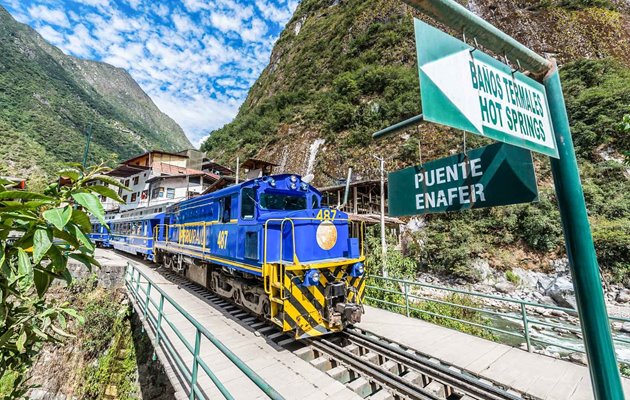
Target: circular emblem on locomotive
326,235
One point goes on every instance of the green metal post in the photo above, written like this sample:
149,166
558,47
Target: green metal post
146,303
579,242
460,19
581,252
159,325
401,126
526,327
407,299
87,145
195,366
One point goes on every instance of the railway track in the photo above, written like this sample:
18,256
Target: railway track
374,367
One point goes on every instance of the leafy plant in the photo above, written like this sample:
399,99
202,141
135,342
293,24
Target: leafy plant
512,277
39,233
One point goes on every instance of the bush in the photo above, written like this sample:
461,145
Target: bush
46,232
512,277
597,94
612,242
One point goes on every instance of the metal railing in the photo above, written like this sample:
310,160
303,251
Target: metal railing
151,307
354,227
402,300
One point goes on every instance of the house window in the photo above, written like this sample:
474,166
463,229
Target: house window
170,193
125,198
127,182
135,180
154,193
134,196
145,193
195,180
161,194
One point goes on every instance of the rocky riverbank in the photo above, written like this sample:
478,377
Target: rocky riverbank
554,288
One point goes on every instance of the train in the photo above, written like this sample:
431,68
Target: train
266,244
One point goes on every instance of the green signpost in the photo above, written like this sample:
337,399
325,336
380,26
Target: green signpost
591,306
467,89
494,175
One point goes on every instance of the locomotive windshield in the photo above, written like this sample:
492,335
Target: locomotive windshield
277,201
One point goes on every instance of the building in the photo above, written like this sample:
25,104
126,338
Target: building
161,178
16,183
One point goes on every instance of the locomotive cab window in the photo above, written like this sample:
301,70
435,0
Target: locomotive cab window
226,208
248,204
281,201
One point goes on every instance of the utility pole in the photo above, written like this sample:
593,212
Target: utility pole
237,166
87,144
383,239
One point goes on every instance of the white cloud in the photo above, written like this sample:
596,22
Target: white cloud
80,42
183,23
255,32
225,22
162,10
196,60
51,35
276,14
197,116
53,16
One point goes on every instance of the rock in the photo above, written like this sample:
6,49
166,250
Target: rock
523,346
625,327
561,291
623,296
578,357
616,326
527,279
559,313
504,287
561,265
482,269
543,283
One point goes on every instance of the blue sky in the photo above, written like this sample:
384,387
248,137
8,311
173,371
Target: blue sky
195,58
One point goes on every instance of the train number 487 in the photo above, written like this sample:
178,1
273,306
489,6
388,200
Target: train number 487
222,239
326,215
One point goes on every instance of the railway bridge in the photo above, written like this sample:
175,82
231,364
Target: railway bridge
212,349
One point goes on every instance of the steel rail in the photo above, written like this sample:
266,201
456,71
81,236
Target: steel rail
461,383
384,378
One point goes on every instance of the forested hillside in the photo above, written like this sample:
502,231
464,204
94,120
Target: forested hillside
343,69
49,100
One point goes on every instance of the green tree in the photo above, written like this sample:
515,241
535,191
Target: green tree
39,233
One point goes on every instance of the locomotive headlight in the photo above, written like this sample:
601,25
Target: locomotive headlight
293,186
304,186
293,178
272,182
311,278
357,270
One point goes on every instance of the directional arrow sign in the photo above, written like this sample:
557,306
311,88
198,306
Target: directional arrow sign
494,175
467,89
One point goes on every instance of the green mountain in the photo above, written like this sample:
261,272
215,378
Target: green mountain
48,100
343,69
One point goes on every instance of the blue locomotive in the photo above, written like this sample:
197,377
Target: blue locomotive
267,244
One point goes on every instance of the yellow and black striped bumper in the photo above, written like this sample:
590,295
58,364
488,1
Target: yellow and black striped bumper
305,307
